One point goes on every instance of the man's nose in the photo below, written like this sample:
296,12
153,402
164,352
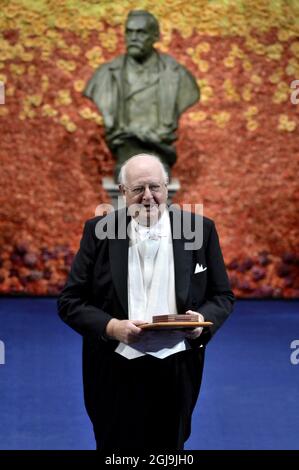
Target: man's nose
147,192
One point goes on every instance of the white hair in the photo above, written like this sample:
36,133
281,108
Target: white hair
122,173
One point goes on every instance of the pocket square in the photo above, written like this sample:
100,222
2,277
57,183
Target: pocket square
199,268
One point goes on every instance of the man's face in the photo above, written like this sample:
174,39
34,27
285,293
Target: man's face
145,190
139,37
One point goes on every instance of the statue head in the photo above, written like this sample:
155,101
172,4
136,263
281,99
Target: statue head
142,31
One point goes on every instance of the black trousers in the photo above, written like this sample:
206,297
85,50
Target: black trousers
147,403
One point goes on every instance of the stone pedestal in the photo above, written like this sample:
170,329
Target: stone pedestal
117,201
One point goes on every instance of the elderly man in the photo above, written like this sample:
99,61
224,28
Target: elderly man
142,94
141,387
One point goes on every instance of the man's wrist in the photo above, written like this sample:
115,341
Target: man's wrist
109,331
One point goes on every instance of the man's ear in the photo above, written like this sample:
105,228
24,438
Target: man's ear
121,189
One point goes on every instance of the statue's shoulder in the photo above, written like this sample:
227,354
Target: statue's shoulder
114,64
169,61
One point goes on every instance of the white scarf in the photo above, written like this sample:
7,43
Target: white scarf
151,288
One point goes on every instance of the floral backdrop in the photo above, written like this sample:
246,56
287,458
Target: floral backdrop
238,148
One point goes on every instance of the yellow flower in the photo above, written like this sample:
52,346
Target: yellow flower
247,65
79,85
94,56
256,79
5,45
88,22
284,34
27,56
63,98
206,94
71,127
12,10
162,47
18,50
17,69
274,51
279,97
198,116
62,22
236,52
3,78
75,50
260,49
252,125
45,83
255,46
29,42
39,28
187,30
221,118
247,92
84,35
230,91
52,34
64,119
48,111
34,100
285,124
31,113
66,65
3,111
229,62
295,48
276,76
282,93
203,47
98,119
62,44
10,91
109,39
251,111
203,65
45,54
292,67
86,113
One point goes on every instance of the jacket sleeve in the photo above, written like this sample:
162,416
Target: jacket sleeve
74,305
220,298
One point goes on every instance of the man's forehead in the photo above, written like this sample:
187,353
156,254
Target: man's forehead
145,171
138,22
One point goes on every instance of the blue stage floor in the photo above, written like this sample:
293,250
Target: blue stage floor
249,397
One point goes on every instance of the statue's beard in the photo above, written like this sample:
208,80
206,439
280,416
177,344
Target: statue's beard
136,51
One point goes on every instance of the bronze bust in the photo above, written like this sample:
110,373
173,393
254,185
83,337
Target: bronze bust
142,94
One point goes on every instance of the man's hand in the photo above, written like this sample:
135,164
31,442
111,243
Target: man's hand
196,332
125,331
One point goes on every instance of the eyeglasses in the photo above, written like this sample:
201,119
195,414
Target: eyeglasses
153,187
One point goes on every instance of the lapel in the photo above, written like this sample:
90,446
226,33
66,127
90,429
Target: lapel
117,70
167,91
118,255
182,261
